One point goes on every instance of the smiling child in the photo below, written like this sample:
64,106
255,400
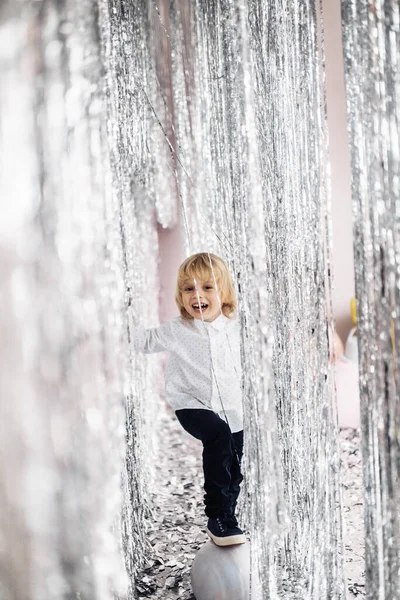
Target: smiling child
203,382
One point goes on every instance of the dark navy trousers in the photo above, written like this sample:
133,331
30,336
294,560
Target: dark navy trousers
222,455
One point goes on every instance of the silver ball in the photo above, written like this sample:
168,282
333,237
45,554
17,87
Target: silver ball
221,573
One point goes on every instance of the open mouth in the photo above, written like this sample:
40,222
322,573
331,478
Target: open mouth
200,308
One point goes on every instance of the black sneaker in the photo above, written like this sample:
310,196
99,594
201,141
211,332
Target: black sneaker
232,523
223,535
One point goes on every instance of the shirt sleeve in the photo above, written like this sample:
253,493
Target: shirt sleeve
156,339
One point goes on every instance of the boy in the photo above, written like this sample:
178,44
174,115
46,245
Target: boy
203,382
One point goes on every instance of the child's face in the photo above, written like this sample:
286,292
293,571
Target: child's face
209,306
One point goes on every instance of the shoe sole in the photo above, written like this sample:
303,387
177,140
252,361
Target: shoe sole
232,540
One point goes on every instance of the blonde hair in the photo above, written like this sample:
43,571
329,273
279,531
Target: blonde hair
197,267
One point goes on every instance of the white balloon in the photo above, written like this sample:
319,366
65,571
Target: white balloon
221,573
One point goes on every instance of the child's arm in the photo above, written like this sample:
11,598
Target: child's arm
156,339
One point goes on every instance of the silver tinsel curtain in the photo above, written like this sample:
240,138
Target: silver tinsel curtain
78,244
251,154
113,111
372,57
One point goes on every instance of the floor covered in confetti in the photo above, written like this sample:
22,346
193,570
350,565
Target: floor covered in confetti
178,530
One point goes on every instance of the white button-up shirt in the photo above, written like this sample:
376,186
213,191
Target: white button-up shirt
204,367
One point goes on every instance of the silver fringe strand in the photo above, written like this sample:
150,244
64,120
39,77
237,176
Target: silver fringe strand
372,60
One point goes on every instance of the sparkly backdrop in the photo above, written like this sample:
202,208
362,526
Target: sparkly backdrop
112,111
251,154
371,53
78,244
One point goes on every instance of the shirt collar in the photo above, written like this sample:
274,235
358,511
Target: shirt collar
218,323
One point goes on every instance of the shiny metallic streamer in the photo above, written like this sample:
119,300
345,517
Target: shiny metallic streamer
78,243
61,401
251,154
371,52
131,84
292,134
214,183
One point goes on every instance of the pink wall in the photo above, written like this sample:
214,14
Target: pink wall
343,264
170,257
